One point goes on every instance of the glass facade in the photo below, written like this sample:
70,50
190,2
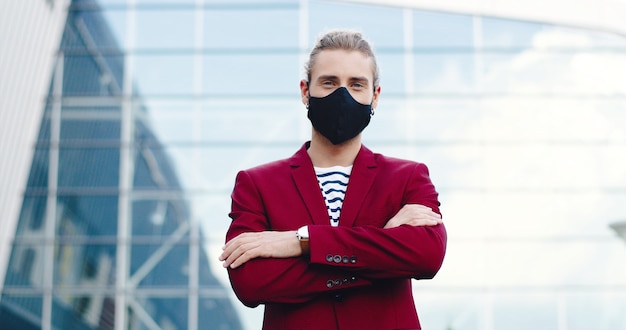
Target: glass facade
155,105
105,221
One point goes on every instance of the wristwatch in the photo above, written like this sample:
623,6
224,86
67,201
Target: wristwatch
303,237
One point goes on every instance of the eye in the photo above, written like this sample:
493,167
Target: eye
328,83
358,86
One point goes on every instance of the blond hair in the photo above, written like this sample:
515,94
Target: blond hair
346,40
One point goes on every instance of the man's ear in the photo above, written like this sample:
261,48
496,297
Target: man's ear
375,97
304,92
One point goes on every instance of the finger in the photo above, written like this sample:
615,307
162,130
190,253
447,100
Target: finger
233,256
243,255
428,217
225,253
238,241
235,240
433,215
231,248
423,222
240,261
417,207
422,212
248,247
227,258
431,222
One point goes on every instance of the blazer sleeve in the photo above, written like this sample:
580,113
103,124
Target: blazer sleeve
287,280
377,253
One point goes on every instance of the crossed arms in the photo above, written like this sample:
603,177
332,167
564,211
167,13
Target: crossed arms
266,263
285,244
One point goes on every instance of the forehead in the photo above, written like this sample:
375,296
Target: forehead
343,64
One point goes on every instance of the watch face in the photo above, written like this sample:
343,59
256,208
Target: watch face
303,232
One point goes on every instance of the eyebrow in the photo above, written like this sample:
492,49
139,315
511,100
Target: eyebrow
362,80
327,77
333,77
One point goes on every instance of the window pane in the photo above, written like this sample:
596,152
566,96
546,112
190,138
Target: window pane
89,131
85,266
435,30
160,264
262,28
90,167
81,214
165,29
252,74
96,310
164,75
228,120
21,311
393,75
501,33
437,73
92,78
380,24
26,266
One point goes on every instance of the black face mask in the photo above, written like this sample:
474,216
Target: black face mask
338,116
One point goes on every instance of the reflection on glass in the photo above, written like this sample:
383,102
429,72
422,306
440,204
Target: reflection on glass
104,219
178,33
251,27
256,73
173,78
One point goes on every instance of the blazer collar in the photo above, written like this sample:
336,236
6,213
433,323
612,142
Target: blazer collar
362,176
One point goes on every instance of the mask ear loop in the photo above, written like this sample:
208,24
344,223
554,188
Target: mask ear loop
373,109
308,96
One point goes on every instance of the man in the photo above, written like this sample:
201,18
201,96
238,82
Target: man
320,255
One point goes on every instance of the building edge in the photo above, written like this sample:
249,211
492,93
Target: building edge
30,32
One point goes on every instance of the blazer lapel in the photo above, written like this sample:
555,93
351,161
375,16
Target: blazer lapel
307,186
362,176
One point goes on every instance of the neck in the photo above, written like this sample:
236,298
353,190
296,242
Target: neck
325,154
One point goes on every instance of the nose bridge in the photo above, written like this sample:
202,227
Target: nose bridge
345,90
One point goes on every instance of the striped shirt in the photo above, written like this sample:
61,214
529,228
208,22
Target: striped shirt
333,183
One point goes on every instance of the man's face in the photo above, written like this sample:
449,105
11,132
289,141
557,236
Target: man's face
340,68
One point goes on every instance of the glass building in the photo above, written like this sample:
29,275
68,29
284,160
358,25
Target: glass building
153,106
105,221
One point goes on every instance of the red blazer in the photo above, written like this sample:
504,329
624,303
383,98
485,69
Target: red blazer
358,275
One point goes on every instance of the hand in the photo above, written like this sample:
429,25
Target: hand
414,215
264,244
